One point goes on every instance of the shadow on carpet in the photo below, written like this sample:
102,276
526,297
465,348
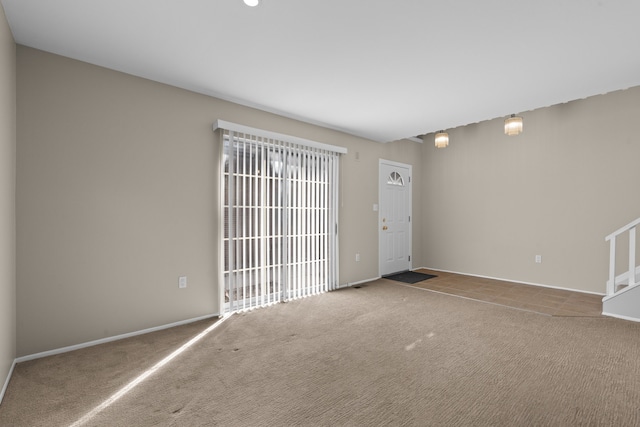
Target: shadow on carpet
409,277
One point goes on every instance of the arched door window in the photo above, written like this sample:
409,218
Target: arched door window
395,179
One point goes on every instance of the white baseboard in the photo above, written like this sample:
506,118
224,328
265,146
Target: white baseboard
618,316
514,281
110,339
6,383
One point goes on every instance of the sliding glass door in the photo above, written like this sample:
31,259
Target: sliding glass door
280,220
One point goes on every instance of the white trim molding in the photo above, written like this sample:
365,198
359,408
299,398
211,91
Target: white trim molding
6,383
110,339
620,316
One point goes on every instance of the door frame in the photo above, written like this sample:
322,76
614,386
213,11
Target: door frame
409,240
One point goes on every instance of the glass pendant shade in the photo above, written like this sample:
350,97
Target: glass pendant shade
513,125
442,139
251,3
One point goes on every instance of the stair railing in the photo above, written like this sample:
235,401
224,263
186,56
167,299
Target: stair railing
631,274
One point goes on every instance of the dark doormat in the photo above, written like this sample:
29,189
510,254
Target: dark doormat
409,277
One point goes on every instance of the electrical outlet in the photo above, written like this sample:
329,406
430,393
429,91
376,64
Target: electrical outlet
538,259
182,282
357,257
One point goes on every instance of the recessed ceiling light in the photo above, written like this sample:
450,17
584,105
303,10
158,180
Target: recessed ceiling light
252,3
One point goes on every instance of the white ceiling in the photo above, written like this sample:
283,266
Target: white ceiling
380,69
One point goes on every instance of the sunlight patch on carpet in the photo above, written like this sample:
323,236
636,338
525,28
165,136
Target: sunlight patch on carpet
146,374
413,345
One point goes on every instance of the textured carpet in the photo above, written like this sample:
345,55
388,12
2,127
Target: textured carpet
409,277
384,354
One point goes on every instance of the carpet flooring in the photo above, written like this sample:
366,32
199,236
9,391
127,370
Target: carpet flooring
538,299
383,354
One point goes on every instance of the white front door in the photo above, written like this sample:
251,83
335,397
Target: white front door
394,219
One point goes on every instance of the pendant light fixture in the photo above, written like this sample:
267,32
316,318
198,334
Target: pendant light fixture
513,125
442,139
252,3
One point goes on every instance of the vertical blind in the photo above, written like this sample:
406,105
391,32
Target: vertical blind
280,202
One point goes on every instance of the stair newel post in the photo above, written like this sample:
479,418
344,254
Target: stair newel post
611,284
632,256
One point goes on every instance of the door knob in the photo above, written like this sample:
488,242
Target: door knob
384,227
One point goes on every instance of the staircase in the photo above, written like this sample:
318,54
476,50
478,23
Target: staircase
623,293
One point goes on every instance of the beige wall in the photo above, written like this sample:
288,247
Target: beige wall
117,176
116,183
492,202
7,198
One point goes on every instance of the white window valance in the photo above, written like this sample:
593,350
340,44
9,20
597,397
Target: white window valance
242,129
